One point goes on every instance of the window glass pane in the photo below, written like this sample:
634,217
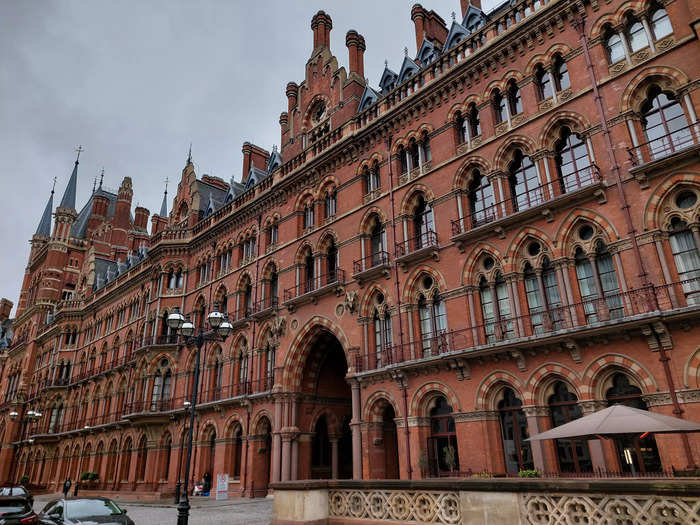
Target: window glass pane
687,259
660,24
616,51
637,37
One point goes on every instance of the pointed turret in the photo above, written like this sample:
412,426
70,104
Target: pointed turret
164,204
68,200
66,213
44,228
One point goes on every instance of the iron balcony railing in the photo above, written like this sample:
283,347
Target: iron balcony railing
665,145
374,260
491,211
314,284
428,239
591,312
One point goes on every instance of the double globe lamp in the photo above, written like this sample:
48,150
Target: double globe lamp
221,328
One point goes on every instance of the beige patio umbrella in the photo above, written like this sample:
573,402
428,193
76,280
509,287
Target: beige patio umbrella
618,419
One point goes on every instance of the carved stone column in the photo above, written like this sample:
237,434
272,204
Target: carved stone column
334,457
355,425
534,414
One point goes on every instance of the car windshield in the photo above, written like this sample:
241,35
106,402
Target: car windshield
12,491
84,508
13,507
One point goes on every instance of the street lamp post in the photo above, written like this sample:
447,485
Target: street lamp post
220,330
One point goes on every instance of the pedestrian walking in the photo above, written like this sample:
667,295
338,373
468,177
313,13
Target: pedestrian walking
66,487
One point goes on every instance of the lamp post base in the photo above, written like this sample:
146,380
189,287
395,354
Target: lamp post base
183,512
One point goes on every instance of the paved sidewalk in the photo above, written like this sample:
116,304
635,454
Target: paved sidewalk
203,512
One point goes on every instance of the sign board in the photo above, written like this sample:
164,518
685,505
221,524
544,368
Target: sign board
221,486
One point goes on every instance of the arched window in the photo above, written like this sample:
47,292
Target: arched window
561,73
242,368
433,323
636,36
543,81
597,280
321,450
423,223
515,103
246,306
383,339
685,251
614,46
443,455
543,299
514,433
274,285
330,203
462,126
377,242
172,282
636,454
474,123
56,416
573,162
309,214
167,452
371,178
332,262
573,454
403,158
525,185
495,308
237,451
141,459
270,356
500,107
660,23
309,271
481,200
664,124
160,395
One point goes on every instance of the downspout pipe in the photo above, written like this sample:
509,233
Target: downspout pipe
579,24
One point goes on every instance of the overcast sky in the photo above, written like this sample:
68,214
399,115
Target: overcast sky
135,82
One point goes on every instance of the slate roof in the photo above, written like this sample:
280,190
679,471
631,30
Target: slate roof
44,227
80,225
68,200
216,195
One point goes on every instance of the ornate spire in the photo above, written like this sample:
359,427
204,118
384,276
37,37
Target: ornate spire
68,200
44,228
189,155
164,204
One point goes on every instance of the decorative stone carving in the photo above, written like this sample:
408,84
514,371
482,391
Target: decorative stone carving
395,505
655,400
537,411
279,324
689,396
351,301
477,415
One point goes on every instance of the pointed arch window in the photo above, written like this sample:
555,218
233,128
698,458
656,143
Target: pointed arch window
481,200
544,83
524,182
514,433
377,243
330,203
237,451
500,107
433,323
371,178
561,73
423,223
270,356
572,454
664,124
660,23
309,214
382,336
572,161
332,262
442,443
597,280
636,35
242,369
635,454
543,299
614,46
686,255
515,102
495,308
309,271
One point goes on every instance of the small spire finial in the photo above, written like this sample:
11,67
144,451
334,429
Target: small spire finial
79,149
274,148
386,63
53,188
102,176
94,184
454,16
405,51
166,185
189,155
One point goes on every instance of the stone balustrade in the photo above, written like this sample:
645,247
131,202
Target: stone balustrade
491,501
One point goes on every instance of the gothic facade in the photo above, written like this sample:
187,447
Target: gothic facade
501,237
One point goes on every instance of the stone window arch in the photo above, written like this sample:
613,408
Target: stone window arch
381,338
431,316
572,160
664,123
597,279
525,184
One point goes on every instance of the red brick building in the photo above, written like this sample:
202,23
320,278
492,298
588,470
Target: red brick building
501,237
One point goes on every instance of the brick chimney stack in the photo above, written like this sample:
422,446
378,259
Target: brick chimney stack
428,24
141,218
292,93
322,24
355,43
466,3
5,309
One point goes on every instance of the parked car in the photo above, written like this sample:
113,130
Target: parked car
83,510
17,510
16,490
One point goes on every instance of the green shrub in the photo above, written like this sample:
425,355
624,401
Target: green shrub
24,480
85,476
94,476
529,473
